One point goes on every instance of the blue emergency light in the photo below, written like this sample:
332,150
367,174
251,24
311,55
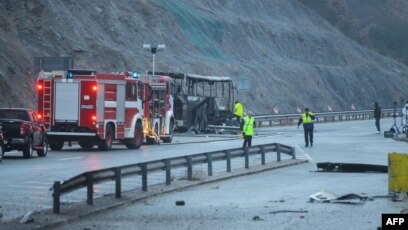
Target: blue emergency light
70,75
135,75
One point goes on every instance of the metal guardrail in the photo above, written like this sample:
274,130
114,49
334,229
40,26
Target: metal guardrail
88,179
291,119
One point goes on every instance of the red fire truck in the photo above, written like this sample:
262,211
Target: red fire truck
91,108
158,113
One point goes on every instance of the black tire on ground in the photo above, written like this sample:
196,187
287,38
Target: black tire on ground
197,125
86,144
56,145
204,124
44,151
138,137
150,141
107,143
28,149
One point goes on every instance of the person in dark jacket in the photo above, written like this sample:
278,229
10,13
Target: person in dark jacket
377,116
307,118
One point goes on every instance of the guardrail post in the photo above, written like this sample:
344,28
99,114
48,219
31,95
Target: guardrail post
228,155
56,194
89,185
263,154
209,161
118,183
293,153
246,154
278,151
189,168
144,177
168,172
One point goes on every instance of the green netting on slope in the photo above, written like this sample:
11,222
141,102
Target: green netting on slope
198,27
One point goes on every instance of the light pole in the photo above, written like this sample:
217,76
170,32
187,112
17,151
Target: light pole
153,50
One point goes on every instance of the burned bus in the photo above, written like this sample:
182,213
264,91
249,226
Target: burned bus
200,101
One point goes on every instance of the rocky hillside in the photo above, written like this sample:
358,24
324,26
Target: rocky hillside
291,56
381,25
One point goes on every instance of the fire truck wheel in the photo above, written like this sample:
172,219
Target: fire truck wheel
43,152
28,149
138,137
56,145
107,143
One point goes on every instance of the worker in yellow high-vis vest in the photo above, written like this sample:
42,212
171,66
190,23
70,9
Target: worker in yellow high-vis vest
248,129
238,111
307,118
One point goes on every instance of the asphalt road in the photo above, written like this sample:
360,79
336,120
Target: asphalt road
25,183
240,203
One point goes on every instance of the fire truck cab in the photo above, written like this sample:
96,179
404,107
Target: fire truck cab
91,108
159,118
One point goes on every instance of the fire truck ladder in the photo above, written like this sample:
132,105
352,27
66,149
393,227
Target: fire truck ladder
47,102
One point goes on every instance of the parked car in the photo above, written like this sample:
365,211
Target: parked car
23,131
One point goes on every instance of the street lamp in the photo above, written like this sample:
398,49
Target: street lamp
153,50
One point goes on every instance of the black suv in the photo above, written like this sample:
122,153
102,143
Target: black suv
23,131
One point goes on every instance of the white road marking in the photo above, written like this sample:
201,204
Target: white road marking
28,186
22,204
68,159
155,148
304,153
38,182
218,142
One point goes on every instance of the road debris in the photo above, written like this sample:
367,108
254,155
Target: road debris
286,211
330,197
257,218
28,217
350,167
146,202
180,203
